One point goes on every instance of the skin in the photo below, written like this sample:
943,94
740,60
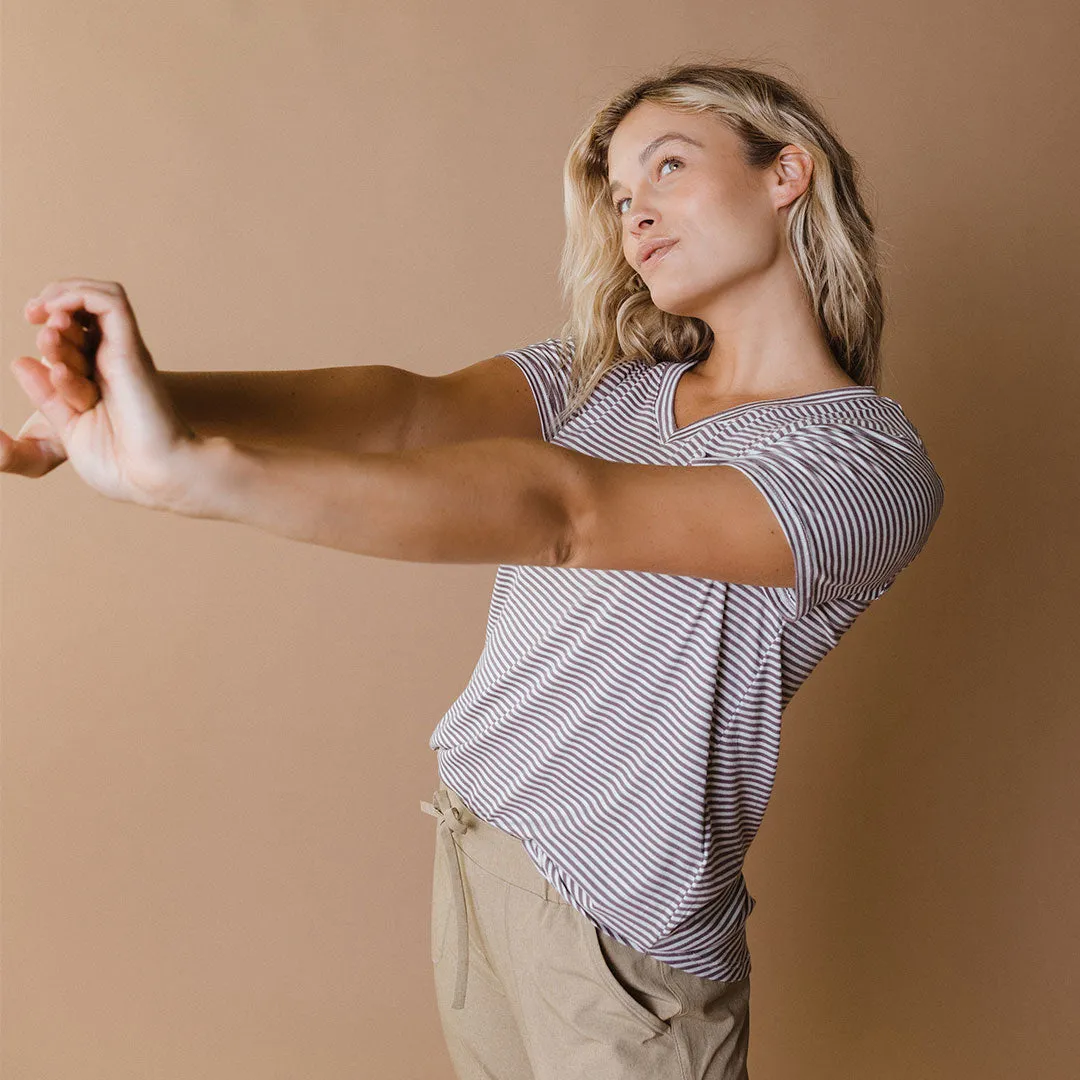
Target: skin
524,501
36,448
504,500
99,392
731,267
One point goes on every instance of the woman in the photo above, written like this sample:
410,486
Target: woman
607,766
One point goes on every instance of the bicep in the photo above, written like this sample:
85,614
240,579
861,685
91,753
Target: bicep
486,400
825,511
706,521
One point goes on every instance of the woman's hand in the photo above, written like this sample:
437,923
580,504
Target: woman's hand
64,344
101,403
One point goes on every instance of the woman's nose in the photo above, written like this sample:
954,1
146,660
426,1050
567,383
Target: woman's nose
642,214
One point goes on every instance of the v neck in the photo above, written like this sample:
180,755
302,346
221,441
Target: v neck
669,381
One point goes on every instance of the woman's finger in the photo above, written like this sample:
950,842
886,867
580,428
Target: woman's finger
108,303
71,346
29,455
78,392
48,295
35,379
65,335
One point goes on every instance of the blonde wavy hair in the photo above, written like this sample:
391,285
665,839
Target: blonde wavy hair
830,234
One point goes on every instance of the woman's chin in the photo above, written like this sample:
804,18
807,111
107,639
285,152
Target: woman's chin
671,302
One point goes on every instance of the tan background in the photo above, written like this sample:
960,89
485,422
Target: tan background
214,740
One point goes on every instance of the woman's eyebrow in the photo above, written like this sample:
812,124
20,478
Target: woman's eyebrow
651,146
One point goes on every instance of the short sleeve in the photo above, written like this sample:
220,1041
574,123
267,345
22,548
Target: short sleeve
548,377
857,502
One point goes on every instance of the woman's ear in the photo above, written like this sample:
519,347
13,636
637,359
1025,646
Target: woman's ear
793,169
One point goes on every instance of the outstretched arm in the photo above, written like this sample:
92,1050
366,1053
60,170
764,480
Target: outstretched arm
505,500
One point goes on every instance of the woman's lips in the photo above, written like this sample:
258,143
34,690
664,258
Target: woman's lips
659,253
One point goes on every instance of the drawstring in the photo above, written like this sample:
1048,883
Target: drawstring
454,824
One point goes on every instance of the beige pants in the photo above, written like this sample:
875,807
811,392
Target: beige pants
528,988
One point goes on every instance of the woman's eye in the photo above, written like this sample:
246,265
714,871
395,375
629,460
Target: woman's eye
660,168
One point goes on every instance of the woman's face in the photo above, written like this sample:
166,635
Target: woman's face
722,215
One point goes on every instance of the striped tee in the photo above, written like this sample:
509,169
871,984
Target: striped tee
625,725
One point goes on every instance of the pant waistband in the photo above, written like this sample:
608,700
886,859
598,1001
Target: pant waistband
464,834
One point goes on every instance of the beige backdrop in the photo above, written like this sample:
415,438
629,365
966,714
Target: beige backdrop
214,740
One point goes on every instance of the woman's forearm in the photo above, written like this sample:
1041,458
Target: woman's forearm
485,501
358,409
